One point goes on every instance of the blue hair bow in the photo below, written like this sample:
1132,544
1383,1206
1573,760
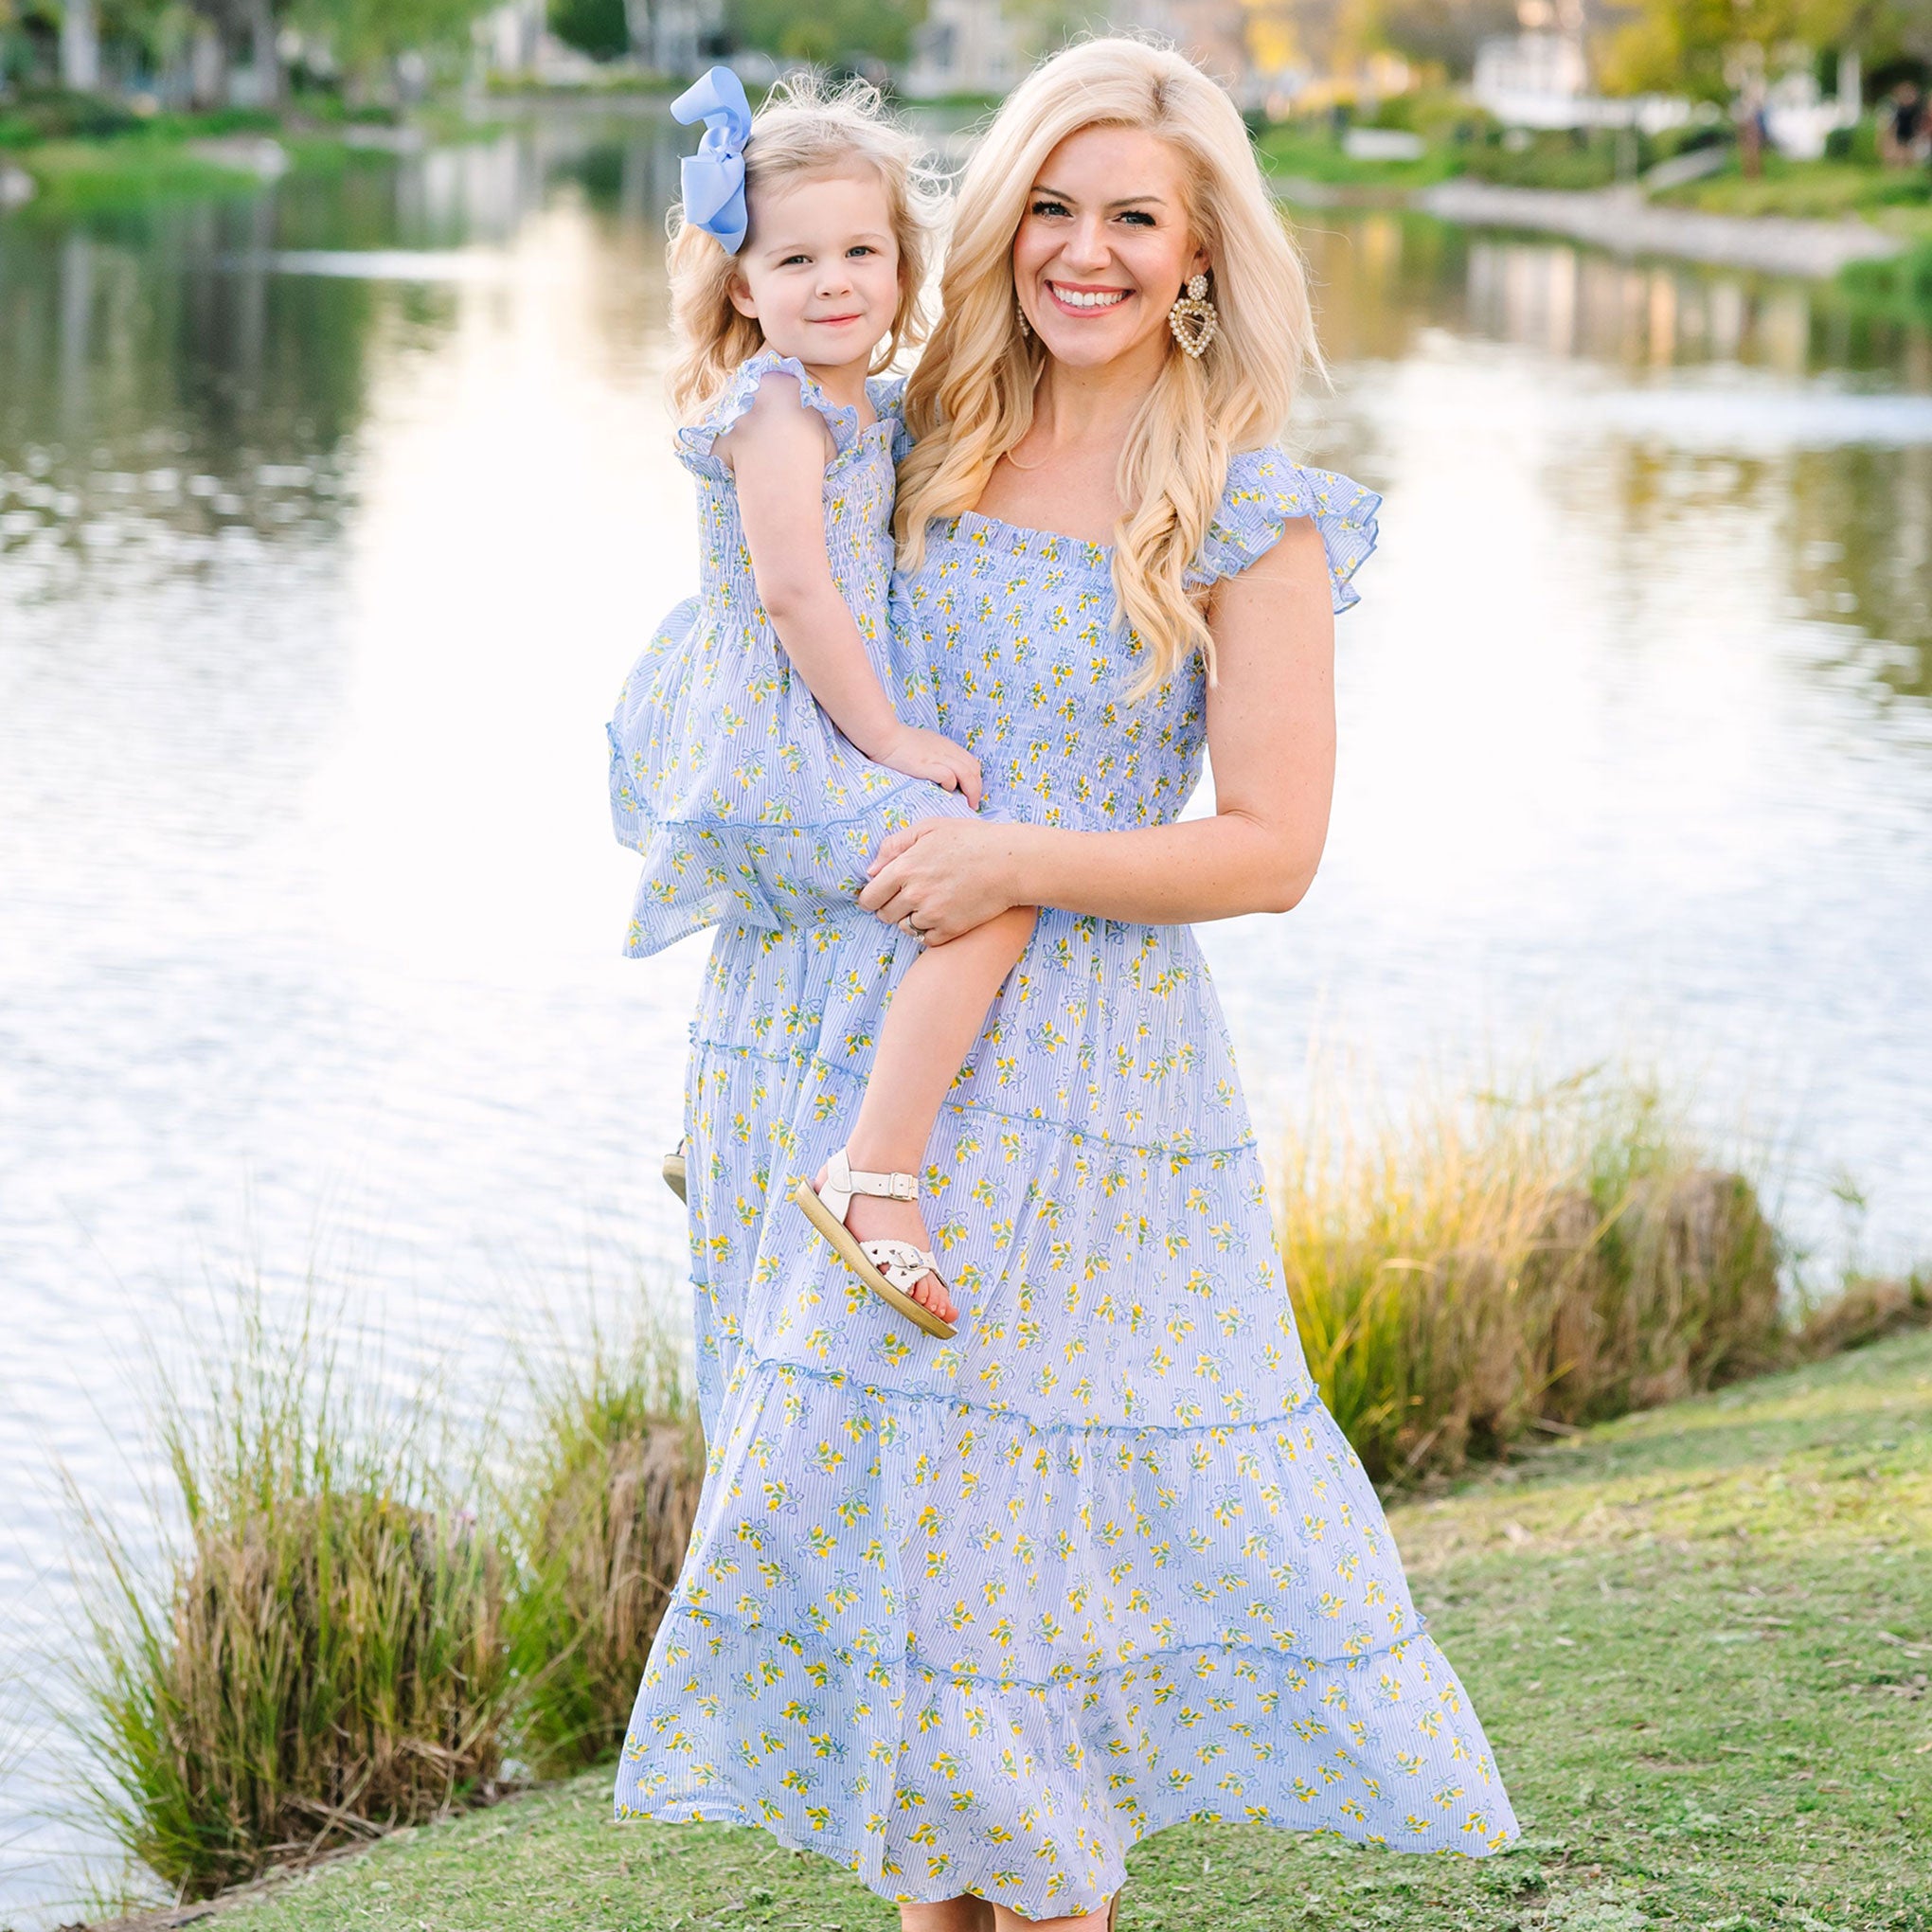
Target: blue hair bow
713,178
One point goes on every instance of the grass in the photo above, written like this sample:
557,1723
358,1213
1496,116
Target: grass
1901,287
1815,191
1299,152
1699,1638
317,1655
602,1502
1479,1271
77,176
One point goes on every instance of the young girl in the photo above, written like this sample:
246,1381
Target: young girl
756,759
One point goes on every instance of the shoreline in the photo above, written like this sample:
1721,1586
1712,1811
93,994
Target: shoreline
1624,222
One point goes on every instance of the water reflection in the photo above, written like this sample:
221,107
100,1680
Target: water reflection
318,572
1730,362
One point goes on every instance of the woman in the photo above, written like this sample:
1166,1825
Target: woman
974,1618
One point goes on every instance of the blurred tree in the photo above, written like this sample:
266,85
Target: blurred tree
365,33
1685,46
598,27
253,23
1445,32
828,30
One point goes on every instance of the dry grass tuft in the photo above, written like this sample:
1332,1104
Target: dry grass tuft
317,1655
1867,1309
1477,1272
604,1507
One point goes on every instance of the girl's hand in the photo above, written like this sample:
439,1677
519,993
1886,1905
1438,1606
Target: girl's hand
952,873
931,756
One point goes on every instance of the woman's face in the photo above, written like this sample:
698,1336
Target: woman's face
1104,246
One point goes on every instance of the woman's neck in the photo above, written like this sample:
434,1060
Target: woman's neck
1090,408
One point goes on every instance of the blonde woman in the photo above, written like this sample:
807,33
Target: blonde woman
974,1622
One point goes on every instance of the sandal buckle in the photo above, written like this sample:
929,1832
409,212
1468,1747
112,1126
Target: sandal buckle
905,1187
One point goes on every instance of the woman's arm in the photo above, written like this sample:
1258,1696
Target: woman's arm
777,451
1271,736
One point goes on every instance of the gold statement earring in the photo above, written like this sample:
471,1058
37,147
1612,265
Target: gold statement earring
1020,314
1193,319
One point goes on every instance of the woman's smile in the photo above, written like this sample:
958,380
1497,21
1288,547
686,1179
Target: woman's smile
1079,300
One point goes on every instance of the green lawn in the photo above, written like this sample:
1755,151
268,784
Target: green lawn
1294,153
1700,1639
1897,200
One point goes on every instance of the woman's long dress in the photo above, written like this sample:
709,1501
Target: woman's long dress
977,1616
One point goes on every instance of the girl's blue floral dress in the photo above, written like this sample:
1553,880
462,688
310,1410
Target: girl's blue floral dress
976,1617
744,800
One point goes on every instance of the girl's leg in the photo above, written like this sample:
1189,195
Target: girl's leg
937,1012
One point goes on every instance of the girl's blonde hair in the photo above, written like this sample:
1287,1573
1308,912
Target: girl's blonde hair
970,398
803,128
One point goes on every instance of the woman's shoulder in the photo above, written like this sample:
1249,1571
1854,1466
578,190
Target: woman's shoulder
697,442
1266,491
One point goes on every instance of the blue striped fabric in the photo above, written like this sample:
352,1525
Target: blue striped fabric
977,1616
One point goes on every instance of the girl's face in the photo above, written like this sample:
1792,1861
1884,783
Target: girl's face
1104,246
819,268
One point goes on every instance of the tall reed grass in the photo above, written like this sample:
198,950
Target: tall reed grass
1476,1271
318,1654
602,1505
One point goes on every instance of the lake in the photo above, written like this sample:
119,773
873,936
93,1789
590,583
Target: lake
331,516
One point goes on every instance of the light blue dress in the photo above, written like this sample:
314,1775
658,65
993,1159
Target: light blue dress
978,1616
746,800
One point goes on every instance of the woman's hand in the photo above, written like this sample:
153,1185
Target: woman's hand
932,755
949,874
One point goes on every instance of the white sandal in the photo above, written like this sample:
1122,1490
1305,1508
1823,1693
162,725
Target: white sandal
888,1268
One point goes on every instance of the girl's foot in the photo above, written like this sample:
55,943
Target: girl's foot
869,1221
873,1219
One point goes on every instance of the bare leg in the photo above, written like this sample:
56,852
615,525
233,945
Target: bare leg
976,1915
935,1014
953,1915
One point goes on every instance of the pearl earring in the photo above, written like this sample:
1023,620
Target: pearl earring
1194,319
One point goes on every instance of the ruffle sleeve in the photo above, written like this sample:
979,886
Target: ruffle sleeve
696,441
888,401
1266,492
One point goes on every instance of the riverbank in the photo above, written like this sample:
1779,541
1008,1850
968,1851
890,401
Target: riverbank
72,162
1626,220
1699,1638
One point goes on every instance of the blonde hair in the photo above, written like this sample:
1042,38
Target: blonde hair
801,130
971,399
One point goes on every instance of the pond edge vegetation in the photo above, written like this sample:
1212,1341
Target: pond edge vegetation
361,1619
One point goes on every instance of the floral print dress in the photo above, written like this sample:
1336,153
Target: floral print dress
746,800
976,1617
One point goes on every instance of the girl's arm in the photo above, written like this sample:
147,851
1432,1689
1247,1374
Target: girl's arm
777,452
1271,736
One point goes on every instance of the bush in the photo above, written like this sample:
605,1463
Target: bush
604,1505
54,114
1899,285
1564,159
1473,1274
318,1657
